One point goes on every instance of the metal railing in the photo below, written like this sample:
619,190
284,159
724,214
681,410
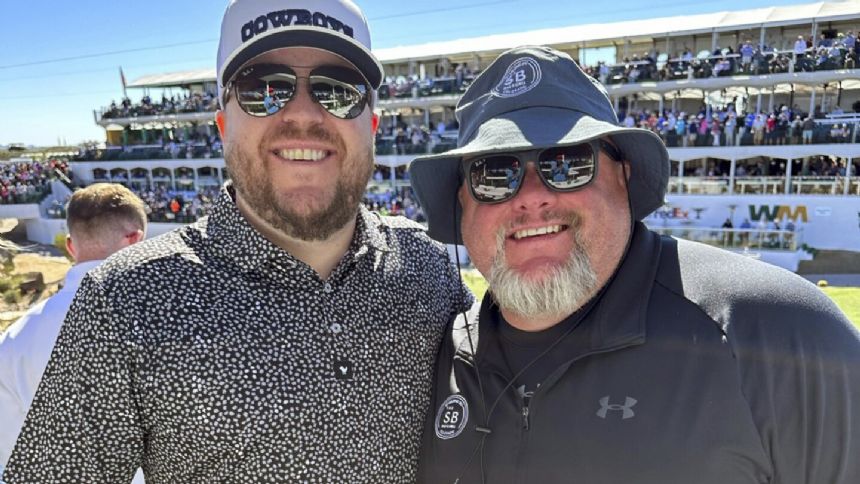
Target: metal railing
765,185
750,239
706,64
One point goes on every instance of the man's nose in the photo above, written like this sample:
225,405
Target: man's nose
533,194
302,108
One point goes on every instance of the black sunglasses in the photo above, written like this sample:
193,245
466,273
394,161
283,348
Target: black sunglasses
496,178
264,89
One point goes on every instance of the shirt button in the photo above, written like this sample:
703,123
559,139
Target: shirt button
327,288
336,328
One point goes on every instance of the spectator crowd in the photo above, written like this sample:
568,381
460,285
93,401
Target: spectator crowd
164,205
726,127
174,206
394,201
188,103
825,53
193,145
829,51
394,87
29,182
706,126
813,166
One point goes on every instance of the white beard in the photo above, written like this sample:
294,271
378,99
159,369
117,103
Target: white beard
558,294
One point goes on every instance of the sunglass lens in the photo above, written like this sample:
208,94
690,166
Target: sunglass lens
267,94
495,178
339,98
341,91
568,167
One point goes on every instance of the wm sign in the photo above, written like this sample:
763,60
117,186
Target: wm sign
778,212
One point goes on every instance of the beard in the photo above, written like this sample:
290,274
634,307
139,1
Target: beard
252,182
559,293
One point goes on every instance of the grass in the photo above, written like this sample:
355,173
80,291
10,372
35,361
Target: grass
475,281
847,298
9,282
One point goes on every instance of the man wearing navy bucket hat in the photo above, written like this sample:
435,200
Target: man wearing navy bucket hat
603,352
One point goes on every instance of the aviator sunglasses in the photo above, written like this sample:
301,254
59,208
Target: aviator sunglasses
264,89
496,178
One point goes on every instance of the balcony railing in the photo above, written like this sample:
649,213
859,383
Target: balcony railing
765,185
750,239
706,65
198,150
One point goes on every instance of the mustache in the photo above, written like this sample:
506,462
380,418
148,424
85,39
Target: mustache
313,132
571,219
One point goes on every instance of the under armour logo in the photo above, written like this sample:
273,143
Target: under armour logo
523,393
626,409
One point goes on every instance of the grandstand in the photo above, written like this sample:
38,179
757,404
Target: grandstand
759,108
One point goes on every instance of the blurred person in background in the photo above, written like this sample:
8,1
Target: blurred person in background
102,219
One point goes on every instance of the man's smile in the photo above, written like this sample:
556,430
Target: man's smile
537,231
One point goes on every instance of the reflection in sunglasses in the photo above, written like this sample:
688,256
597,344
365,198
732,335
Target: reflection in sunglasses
264,89
497,178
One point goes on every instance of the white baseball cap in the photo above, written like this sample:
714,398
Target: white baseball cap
253,27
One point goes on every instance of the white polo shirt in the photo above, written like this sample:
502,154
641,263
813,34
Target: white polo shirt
25,348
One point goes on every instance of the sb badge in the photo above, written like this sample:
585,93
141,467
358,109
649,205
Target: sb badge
452,417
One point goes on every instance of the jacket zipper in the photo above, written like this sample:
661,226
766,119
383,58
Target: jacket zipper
522,452
525,415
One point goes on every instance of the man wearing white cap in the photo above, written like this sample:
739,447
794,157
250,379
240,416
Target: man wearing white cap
290,337
602,352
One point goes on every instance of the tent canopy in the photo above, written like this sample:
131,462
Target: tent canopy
650,28
588,34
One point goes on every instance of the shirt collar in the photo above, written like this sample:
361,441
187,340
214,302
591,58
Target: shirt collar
78,271
369,230
231,237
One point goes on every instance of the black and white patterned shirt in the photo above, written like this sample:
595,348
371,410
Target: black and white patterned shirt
209,354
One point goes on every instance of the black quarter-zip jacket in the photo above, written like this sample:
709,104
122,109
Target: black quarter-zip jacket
695,365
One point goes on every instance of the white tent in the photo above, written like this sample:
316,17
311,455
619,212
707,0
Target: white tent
601,34
172,79
590,35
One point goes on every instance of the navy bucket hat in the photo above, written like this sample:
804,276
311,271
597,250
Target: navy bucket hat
534,97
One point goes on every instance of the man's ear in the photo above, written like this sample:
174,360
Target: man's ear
135,237
374,123
222,124
70,247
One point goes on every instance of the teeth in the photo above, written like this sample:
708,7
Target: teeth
302,155
551,229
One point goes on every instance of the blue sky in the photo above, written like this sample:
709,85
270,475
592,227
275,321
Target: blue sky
60,61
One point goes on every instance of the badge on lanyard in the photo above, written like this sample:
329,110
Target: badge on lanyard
452,417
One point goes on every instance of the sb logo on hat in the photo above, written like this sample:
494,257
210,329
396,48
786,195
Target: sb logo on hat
522,76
